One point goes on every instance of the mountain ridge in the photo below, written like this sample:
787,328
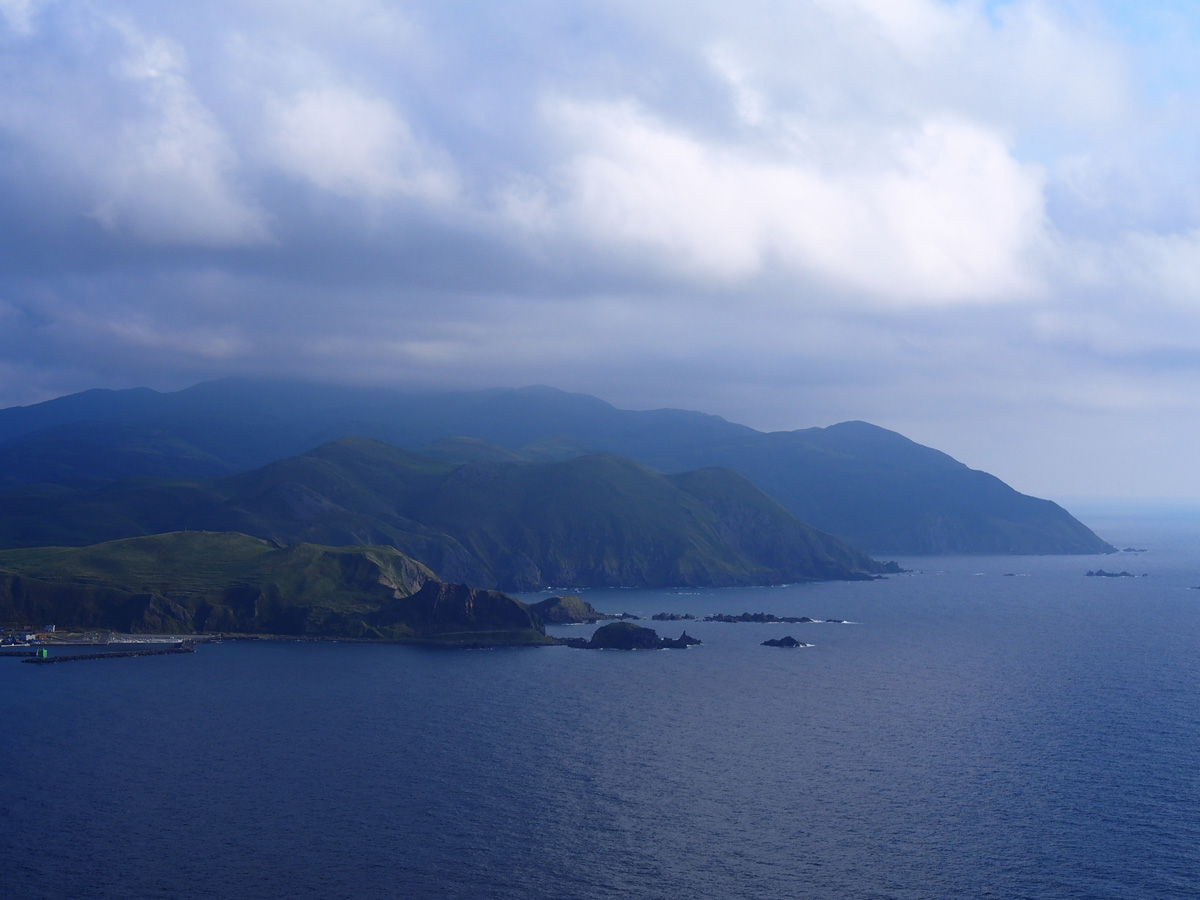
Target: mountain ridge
869,486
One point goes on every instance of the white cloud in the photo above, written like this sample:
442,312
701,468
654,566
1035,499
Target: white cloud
355,146
19,14
1026,62
1163,266
113,120
916,28
205,343
748,100
1138,282
945,215
169,176
371,21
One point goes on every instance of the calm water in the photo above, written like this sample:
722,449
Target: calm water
972,735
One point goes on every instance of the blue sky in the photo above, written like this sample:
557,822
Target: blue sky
976,223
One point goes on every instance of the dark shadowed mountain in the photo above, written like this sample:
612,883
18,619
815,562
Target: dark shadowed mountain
90,454
870,486
591,521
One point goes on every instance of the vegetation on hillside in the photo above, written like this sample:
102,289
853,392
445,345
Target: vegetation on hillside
870,487
588,521
203,582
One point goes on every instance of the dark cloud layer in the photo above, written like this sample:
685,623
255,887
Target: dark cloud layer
973,222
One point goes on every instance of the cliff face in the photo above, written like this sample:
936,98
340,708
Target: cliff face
567,610
447,612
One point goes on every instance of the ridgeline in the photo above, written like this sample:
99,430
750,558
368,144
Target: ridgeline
870,487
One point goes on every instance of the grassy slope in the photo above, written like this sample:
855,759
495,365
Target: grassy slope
345,493
595,520
766,532
197,581
601,520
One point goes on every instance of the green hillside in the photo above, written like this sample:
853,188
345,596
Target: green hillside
755,524
350,492
605,521
588,521
198,582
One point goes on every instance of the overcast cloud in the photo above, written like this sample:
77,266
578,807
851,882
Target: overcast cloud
977,223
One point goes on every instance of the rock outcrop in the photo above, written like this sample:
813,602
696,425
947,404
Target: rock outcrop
788,641
568,610
627,636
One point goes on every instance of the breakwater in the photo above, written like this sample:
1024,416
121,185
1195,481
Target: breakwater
182,647
18,653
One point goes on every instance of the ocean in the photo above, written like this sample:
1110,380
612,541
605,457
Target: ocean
984,727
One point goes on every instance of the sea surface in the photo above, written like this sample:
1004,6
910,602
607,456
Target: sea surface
988,727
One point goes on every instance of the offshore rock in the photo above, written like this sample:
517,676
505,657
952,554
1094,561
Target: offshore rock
682,642
627,636
567,610
441,609
788,641
759,618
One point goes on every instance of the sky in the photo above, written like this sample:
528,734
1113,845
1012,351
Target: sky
976,223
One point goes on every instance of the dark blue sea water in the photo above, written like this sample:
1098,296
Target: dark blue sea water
974,734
